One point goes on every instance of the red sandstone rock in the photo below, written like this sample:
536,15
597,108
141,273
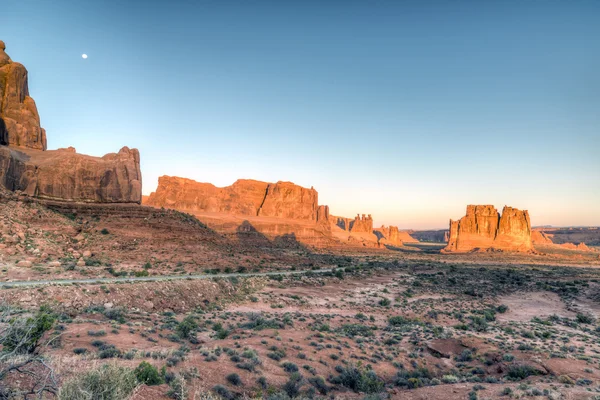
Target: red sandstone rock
57,174
66,175
287,200
539,237
483,228
362,224
19,119
244,197
391,235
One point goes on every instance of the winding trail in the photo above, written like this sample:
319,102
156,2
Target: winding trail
153,278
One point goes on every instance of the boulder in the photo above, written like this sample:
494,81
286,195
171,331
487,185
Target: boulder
483,228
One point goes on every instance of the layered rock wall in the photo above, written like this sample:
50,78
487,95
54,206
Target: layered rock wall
244,197
62,174
483,228
65,175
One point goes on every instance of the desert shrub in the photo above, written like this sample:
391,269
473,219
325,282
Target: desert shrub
223,392
234,379
384,302
115,314
518,372
80,350
358,379
187,328
399,320
141,273
319,384
104,231
23,334
289,367
478,324
177,388
262,382
108,382
584,319
293,385
352,330
258,322
108,351
413,379
97,333
465,356
148,374
502,308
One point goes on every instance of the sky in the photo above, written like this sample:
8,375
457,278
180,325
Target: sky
407,110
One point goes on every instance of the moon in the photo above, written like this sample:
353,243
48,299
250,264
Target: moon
84,56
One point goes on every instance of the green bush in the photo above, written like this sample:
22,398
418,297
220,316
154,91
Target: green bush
108,382
234,379
23,334
357,379
148,374
187,328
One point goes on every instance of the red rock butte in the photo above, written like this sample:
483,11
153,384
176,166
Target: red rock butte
483,228
272,208
27,167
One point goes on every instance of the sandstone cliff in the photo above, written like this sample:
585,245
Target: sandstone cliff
484,229
19,119
62,174
391,235
243,197
539,237
65,175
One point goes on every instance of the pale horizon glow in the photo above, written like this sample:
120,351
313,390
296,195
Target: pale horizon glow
407,111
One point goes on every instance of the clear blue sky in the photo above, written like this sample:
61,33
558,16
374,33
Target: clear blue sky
407,110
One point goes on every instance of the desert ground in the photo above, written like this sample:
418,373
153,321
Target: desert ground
331,322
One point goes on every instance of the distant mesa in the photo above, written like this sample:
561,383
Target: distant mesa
274,207
27,167
483,228
545,239
243,197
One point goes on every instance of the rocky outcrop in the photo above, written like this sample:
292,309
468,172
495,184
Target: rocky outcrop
323,214
539,237
391,235
65,175
545,239
287,200
484,229
243,197
19,119
362,224
27,167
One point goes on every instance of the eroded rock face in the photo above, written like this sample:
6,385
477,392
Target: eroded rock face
391,235
61,174
287,200
538,237
65,175
19,118
244,197
483,228
362,223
